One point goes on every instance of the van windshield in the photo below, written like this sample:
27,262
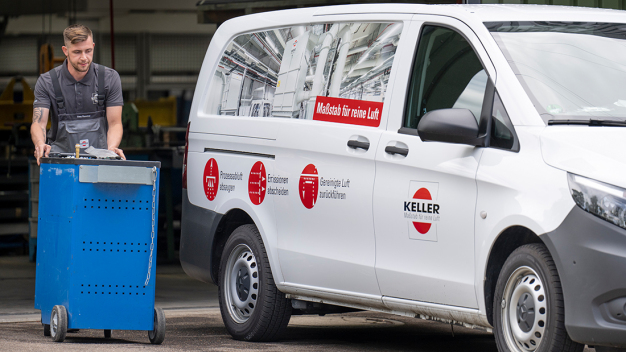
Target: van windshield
570,70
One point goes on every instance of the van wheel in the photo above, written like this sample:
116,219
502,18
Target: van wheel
528,304
252,307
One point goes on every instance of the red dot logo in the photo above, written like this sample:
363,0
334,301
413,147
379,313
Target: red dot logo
422,227
257,183
211,179
309,184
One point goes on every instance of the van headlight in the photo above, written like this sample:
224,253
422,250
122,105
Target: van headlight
600,199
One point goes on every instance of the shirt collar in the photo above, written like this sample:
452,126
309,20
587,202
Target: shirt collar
87,80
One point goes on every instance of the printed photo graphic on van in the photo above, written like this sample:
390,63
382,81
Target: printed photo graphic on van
327,72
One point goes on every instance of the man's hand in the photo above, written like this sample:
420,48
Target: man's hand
118,151
42,150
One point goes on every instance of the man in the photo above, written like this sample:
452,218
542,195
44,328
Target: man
83,99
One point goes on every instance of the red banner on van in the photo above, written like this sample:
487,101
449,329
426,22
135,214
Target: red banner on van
348,111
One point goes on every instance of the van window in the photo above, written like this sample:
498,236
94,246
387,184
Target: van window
335,72
446,74
502,132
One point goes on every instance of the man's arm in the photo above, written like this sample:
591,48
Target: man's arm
38,132
114,136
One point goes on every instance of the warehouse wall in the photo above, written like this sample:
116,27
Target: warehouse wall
162,36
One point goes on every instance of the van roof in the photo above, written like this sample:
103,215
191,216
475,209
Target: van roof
482,13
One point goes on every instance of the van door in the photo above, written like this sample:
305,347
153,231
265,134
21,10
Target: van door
326,151
425,192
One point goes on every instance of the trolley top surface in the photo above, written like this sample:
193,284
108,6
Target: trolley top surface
74,161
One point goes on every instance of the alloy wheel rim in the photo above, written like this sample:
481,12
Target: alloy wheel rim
241,283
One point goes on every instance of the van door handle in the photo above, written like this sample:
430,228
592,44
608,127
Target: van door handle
358,144
396,150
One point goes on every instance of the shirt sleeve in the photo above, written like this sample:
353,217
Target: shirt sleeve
42,97
114,96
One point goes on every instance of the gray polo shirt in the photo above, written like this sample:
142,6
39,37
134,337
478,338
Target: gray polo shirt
79,96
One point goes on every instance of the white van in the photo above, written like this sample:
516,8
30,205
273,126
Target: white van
460,163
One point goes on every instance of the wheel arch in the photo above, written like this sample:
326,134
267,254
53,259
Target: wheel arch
509,240
228,223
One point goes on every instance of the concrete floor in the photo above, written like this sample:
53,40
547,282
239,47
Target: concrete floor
194,323
174,290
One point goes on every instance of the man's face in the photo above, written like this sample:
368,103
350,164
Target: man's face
80,54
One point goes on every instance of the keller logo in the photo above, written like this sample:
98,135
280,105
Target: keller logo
422,210
309,186
211,179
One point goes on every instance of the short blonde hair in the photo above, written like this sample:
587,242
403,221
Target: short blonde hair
76,33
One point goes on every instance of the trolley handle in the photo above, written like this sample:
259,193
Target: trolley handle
82,156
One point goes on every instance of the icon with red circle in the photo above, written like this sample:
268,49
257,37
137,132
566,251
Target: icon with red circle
309,185
211,179
422,227
257,183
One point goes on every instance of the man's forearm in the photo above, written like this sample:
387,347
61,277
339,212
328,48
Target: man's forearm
37,134
114,135
37,131
116,130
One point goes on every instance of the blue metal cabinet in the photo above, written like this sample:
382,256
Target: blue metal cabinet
96,246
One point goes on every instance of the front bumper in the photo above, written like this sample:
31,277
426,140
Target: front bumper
590,254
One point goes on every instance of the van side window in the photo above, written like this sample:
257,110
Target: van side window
502,131
446,74
334,72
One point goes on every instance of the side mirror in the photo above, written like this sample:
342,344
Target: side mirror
450,126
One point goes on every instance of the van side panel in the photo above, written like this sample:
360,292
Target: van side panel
198,227
220,179
516,189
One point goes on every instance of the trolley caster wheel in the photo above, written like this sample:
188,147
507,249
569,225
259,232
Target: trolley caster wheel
107,334
46,329
58,323
157,335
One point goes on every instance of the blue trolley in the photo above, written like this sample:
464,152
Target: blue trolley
96,246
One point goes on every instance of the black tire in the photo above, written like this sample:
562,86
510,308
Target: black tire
252,307
58,323
528,304
46,330
107,334
157,335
